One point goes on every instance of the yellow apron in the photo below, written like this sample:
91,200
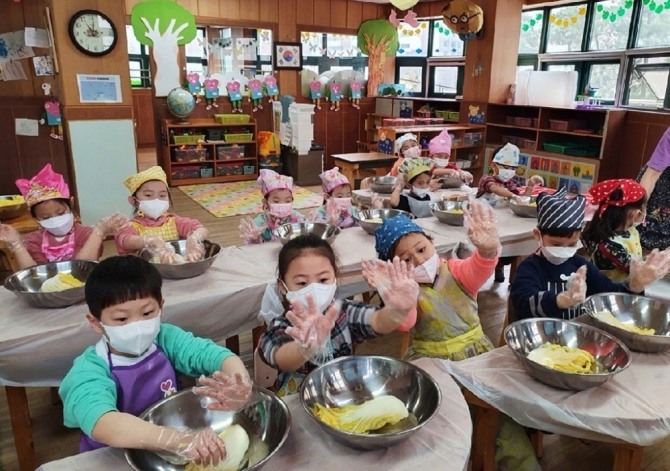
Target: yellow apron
168,231
632,245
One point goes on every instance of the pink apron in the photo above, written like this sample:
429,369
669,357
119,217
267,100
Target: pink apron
58,253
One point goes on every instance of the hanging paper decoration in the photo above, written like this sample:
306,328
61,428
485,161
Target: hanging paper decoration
527,25
377,39
404,4
464,18
440,27
567,22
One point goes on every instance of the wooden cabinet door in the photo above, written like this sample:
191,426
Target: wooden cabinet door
143,110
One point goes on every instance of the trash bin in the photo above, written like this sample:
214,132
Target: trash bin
305,169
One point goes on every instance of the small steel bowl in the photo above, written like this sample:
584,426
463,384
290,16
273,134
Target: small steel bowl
265,418
449,181
185,270
27,283
363,218
358,378
527,334
287,232
383,185
12,206
441,211
524,210
634,310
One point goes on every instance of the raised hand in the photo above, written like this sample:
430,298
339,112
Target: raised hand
482,228
394,280
10,236
250,232
643,273
311,329
466,177
377,201
575,292
435,184
110,225
223,392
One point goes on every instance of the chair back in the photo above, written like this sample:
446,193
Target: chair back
264,374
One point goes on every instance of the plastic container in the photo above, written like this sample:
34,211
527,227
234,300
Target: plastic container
442,114
206,172
536,122
528,144
510,119
473,138
565,125
232,118
523,122
558,148
188,138
229,152
248,170
187,171
454,116
582,151
215,134
190,154
239,137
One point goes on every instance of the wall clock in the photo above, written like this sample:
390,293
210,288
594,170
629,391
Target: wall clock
92,32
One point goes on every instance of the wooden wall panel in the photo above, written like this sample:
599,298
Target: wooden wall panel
338,13
354,14
190,5
304,12
208,8
250,10
269,11
229,9
369,11
322,13
143,111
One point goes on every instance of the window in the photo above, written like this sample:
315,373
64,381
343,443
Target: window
138,61
648,83
445,43
412,79
531,31
324,52
653,24
446,80
611,24
413,42
566,28
603,77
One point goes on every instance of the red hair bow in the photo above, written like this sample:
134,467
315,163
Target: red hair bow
602,192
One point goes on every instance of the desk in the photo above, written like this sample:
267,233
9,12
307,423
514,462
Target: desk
631,410
360,165
443,443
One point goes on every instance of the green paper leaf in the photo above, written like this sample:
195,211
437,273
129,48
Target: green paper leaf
652,6
436,25
525,27
539,16
646,2
606,15
659,9
621,12
600,7
441,29
629,4
613,18
532,22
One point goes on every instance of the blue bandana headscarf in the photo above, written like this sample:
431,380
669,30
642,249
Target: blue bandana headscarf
390,232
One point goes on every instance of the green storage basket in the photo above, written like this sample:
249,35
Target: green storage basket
558,148
241,137
441,114
188,139
582,152
232,118
453,116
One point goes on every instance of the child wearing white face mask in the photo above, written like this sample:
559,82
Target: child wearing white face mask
135,364
336,209
611,237
317,328
439,149
60,236
554,281
277,191
153,223
406,147
416,174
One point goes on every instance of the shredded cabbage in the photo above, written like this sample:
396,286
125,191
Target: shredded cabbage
237,444
607,317
565,359
362,418
60,282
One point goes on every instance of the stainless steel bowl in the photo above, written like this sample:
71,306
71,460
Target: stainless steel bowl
527,334
26,284
449,181
363,218
185,270
13,206
634,310
265,418
287,232
382,184
524,210
441,211
358,378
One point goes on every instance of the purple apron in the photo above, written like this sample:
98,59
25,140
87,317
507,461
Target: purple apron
138,387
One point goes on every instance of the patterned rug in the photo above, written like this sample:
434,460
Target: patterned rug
230,199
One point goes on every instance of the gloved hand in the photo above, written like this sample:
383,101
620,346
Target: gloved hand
643,273
435,184
333,212
10,236
536,180
399,183
377,201
110,225
158,247
222,392
480,221
311,328
202,447
519,199
575,292
466,177
249,232
195,249
394,280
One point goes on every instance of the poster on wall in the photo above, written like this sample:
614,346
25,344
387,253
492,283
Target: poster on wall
99,88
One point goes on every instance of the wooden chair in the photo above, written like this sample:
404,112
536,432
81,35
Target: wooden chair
264,375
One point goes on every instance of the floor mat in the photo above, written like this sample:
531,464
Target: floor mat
230,199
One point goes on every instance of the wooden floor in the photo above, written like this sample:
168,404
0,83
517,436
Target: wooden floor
54,441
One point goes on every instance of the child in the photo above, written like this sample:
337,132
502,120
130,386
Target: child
439,149
135,364
447,322
319,328
611,238
153,224
416,172
59,237
278,209
554,281
336,209
406,146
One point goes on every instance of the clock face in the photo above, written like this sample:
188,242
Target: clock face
92,32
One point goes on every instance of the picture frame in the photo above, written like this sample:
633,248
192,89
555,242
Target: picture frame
287,56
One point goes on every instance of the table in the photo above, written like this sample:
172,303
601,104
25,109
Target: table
659,289
631,410
446,439
359,165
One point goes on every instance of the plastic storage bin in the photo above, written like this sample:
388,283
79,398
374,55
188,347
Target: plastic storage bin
559,148
523,122
232,118
187,171
239,137
188,138
510,120
565,125
529,144
248,169
453,116
215,134
190,154
536,122
473,138
229,152
206,172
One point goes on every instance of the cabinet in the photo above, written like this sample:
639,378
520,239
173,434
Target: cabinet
204,151
467,147
566,146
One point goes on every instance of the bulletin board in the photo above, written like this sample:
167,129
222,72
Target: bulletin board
577,174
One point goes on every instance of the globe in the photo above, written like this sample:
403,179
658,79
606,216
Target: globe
180,103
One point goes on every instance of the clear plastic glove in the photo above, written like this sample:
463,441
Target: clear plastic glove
519,199
333,212
158,247
311,329
466,177
435,184
377,201
110,225
536,180
202,447
249,232
482,228
575,292
195,249
400,182
643,273
222,392
10,236
394,280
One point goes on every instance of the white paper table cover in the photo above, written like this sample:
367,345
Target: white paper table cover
444,443
659,290
37,346
632,407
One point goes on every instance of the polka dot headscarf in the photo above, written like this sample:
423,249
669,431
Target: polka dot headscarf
602,193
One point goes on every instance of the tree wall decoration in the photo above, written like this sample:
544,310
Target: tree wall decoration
377,39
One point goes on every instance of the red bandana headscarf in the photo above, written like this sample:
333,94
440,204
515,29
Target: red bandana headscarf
602,192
